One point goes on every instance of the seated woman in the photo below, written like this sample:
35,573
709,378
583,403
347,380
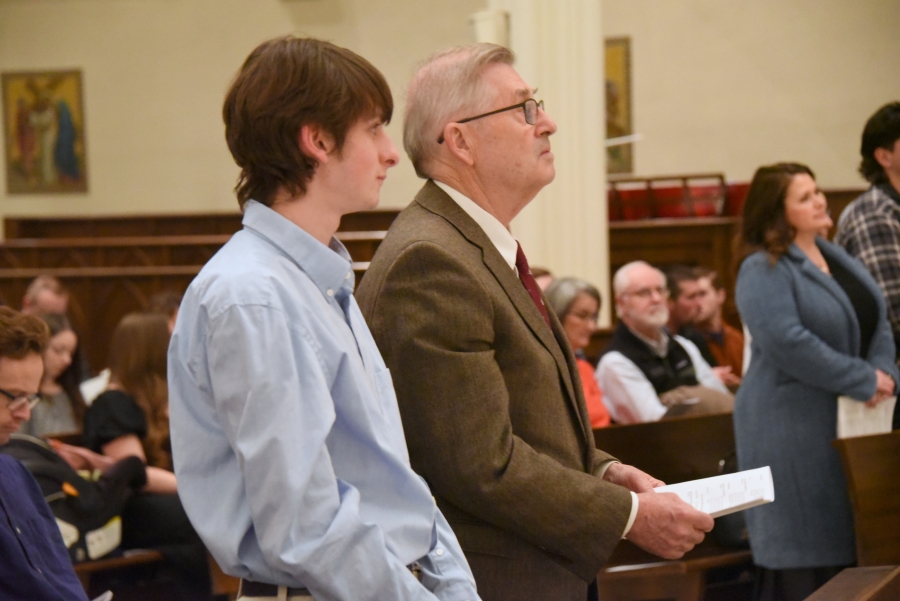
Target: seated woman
132,419
576,304
62,407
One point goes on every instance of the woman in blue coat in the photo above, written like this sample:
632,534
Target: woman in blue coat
819,328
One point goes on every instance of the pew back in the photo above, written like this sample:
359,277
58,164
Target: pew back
673,450
872,467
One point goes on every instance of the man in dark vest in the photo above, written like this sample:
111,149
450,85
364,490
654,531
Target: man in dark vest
645,373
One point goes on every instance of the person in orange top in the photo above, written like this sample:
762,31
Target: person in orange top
577,304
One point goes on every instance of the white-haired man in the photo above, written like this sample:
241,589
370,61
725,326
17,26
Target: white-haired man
645,373
488,387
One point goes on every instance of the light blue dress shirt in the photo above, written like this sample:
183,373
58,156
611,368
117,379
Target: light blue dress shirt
288,446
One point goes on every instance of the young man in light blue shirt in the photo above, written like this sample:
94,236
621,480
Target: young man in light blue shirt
289,451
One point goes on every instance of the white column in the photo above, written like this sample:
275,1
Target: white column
559,49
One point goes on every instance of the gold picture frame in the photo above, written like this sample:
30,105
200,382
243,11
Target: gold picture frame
619,158
43,114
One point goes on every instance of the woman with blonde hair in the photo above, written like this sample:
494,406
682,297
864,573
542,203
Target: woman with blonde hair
132,419
132,416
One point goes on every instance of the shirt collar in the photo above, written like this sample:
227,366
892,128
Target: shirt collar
499,236
659,347
329,267
889,189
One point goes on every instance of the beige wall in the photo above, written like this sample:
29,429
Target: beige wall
155,73
728,85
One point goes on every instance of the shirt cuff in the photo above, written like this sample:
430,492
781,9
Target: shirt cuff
605,466
634,509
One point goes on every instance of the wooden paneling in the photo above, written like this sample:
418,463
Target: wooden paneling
101,296
165,225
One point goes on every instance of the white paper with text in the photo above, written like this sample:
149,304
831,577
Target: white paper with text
721,495
855,419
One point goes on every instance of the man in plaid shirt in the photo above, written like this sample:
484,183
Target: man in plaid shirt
869,228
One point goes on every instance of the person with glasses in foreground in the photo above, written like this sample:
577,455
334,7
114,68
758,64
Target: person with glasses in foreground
36,564
487,384
645,372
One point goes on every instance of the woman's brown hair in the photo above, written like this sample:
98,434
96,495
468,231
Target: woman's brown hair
70,379
137,360
763,223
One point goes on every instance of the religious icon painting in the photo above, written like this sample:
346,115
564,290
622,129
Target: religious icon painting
619,156
43,114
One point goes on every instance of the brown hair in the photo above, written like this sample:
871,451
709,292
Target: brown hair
713,275
137,360
764,225
69,379
21,335
675,275
287,83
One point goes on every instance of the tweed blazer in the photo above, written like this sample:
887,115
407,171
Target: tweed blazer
804,354
490,397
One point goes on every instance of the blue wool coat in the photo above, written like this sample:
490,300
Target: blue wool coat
804,353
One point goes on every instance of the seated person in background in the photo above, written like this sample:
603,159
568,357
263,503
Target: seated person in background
687,295
725,342
576,304
684,306
166,303
62,407
645,373
36,565
132,418
45,294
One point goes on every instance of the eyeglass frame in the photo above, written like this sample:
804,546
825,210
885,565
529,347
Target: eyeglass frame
647,293
539,105
16,400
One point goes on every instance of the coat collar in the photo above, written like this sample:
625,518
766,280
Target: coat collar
836,254
435,200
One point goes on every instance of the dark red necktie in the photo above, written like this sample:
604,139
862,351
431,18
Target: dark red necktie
530,283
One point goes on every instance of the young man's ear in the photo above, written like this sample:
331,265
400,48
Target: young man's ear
315,142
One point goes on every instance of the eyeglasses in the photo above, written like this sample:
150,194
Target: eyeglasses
585,317
17,401
530,107
645,293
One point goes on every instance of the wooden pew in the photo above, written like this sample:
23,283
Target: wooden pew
85,569
159,251
872,468
674,450
187,224
101,296
880,583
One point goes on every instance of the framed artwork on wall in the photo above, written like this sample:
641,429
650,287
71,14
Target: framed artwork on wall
619,158
43,114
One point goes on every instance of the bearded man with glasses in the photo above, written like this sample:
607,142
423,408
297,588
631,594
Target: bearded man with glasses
647,373
36,564
487,383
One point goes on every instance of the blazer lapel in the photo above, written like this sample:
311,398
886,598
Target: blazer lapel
436,200
829,284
